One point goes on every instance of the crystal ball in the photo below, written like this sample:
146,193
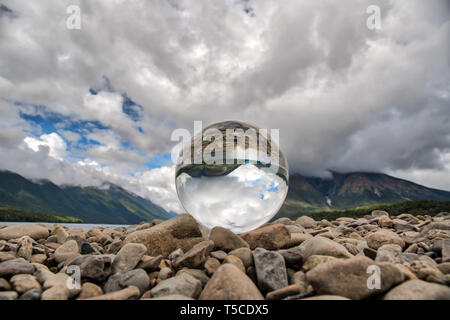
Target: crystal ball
233,175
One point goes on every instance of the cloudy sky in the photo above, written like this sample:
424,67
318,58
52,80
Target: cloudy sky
80,106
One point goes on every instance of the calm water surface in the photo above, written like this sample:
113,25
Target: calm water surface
86,226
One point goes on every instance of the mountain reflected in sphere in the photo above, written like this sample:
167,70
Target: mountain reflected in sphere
238,184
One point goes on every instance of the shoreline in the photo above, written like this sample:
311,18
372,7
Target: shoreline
70,225
377,256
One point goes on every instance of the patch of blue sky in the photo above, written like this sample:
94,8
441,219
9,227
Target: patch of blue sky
158,161
45,122
134,172
256,181
45,125
272,187
84,143
127,145
84,126
50,121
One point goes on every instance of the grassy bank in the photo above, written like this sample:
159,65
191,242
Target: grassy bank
17,215
419,207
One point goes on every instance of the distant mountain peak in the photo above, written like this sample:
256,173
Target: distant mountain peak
107,203
352,189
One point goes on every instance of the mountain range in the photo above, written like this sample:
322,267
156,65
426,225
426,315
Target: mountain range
113,204
107,204
350,190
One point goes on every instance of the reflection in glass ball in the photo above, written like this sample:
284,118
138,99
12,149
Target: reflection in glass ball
240,181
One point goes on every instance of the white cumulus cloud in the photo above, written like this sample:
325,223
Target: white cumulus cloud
55,144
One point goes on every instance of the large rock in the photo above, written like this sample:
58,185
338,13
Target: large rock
179,232
418,290
383,236
350,277
114,246
88,248
4,285
33,294
95,267
130,293
165,273
323,246
390,253
196,273
220,254
128,257
183,284
226,240
174,255
245,254
293,257
444,267
229,283
196,256
58,292
316,260
282,293
61,279
271,237
38,258
285,221
15,266
151,264
385,222
8,295
6,255
42,275
436,226
25,248
234,261
426,269
306,222
298,238
24,282
299,278
379,213
270,270
89,290
67,250
211,265
60,234
136,277
402,226
19,230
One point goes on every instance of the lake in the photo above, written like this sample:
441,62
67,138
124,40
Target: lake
86,226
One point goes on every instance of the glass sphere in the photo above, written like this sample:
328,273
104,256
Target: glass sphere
232,175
